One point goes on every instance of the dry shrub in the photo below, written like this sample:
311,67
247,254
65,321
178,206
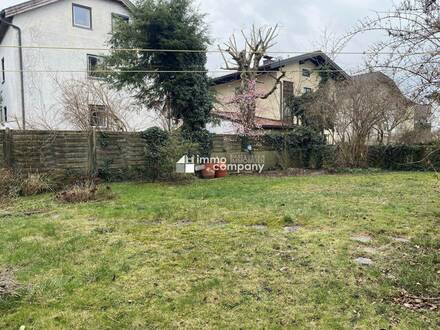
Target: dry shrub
14,184
35,184
8,285
84,191
9,184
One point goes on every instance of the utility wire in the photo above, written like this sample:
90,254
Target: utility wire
152,50
166,71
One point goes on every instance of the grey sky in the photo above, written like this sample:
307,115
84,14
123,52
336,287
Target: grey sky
301,22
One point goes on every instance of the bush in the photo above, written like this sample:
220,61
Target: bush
202,138
85,191
9,184
163,150
14,184
296,146
405,157
35,184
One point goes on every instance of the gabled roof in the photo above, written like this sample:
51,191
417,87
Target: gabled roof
317,57
34,4
9,13
380,78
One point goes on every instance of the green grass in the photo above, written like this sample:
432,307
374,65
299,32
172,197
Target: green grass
166,256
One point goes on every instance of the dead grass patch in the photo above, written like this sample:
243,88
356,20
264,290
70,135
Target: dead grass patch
416,303
8,286
85,191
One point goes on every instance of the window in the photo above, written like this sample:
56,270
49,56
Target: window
4,115
3,71
288,93
306,72
94,66
82,16
307,90
118,19
98,115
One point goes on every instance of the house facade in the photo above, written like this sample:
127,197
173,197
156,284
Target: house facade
63,41
302,75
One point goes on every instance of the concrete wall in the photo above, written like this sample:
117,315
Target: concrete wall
51,25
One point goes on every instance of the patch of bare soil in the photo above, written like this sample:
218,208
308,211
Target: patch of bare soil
417,303
8,285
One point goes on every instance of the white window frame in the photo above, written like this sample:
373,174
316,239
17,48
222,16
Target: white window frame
91,111
75,5
90,72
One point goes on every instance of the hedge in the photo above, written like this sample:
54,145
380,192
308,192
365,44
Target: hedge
386,157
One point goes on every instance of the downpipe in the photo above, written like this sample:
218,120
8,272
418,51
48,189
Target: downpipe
20,59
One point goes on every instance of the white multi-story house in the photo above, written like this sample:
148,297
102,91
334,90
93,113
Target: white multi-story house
62,41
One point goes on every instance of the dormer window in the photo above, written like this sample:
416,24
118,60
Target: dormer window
82,16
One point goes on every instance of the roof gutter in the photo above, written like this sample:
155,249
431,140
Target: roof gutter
20,58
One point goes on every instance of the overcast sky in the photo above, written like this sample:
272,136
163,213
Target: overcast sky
301,22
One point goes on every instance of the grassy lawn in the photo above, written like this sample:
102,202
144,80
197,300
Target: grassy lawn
216,254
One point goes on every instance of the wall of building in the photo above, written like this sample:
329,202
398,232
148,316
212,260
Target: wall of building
52,26
10,89
270,107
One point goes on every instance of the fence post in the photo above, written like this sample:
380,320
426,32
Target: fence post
92,152
7,148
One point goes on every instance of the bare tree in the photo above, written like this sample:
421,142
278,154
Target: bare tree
247,62
330,43
88,103
355,108
412,47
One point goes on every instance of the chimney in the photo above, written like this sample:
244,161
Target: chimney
267,60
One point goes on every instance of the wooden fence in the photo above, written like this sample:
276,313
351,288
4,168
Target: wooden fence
115,154
73,152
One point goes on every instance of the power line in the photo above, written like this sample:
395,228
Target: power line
166,71
153,50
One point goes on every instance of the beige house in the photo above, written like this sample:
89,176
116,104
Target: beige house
302,76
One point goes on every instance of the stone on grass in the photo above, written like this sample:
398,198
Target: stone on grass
364,261
291,229
183,223
362,239
401,240
259,227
